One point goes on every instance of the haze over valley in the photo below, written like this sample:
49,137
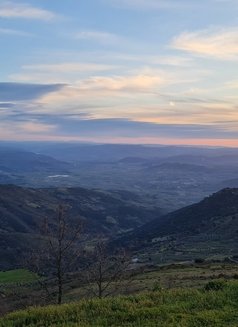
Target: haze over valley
169,177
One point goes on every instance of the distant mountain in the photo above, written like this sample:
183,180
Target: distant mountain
169,177
16,160
103,214
134,160
231,183
102,152
114,152
214,158
211,222
181,167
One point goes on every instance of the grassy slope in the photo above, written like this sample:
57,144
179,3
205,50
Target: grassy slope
167,308
172,276
16,276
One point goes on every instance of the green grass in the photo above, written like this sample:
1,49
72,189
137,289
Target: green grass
172,276
166,308
16,276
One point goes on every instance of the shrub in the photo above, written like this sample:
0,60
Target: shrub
157,286
199,260
215,285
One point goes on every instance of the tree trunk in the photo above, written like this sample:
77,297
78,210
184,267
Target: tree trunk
59,291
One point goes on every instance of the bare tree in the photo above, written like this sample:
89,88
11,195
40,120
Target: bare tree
106,272
59,251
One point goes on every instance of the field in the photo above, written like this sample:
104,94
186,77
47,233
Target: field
19,289
16,276
167,276
165,308
16,289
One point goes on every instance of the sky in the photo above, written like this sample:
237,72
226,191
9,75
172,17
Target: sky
119,71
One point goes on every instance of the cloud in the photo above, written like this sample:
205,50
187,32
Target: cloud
6,105
68,72
19,91
9,32
91,64
141,104
103,92
232,84
36,127
9,9
94,89
219,44
26,131
171,61
21,124
69,67
98,36
136,83
115,95
116,130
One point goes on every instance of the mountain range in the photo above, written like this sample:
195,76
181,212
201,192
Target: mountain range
164,176
207,228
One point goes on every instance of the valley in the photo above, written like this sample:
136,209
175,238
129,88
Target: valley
174,211
102,214
166,177
119,163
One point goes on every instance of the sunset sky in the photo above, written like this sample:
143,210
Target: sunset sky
128,71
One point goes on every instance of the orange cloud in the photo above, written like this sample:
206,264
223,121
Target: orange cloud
219,44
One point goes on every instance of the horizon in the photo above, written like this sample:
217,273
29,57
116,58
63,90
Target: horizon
88,143
120,72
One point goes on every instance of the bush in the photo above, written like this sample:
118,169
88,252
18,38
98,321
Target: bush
215,285
156,287
199,260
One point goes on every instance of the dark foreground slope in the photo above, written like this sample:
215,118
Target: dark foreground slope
103,213
167,308
211,224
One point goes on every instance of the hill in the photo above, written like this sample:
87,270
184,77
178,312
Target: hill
113,152
166,308
209,227
104,213
18,160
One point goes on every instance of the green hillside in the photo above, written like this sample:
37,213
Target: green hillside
166,308
22,210
216,214
208,229
16,276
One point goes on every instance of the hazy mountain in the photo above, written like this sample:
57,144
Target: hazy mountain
213,158
17,160
180,167
102,213
113,152
231,183
104,152
169,177
209,227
